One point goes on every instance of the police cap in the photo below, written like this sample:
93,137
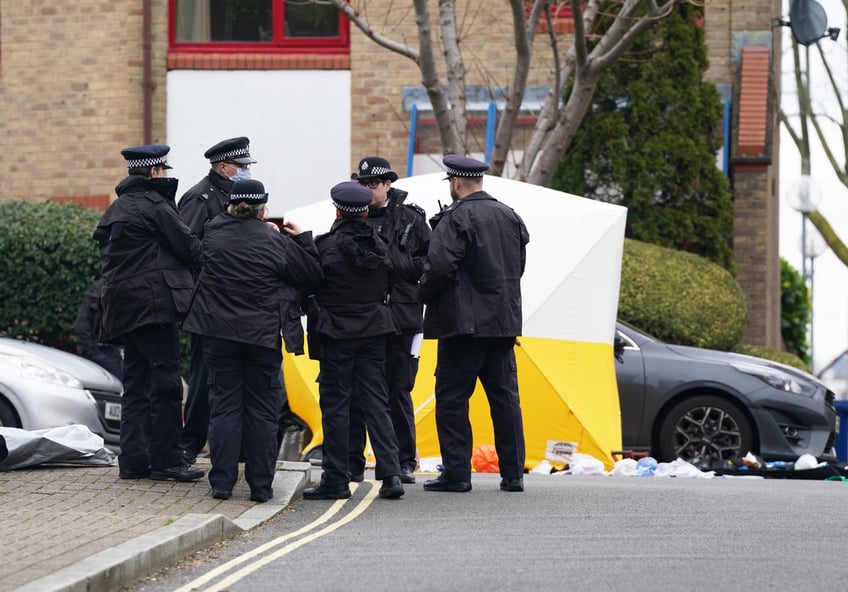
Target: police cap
148,155
350,197
234,149
374,167
463,166
248,190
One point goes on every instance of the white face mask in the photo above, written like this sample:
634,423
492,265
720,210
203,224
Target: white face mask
241,174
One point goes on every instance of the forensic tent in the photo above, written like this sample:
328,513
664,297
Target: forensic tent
567,383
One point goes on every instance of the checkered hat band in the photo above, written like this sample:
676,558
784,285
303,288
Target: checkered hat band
351,209
379,171
232,153
146,162
248,196
458,173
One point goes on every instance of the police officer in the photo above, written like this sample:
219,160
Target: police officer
147,256
240,306
352,326
230,161
404,229
87,333
471,286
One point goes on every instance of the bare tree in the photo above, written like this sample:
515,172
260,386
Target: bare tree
577,67
823,114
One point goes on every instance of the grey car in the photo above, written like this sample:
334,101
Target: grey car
708,406
43,387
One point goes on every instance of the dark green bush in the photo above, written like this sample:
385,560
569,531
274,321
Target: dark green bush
47,261
680,297
794,311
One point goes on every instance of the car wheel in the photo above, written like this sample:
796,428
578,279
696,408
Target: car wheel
704,429
8,417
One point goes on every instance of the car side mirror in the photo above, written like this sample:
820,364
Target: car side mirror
618,349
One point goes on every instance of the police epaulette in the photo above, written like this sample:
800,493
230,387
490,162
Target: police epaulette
417,208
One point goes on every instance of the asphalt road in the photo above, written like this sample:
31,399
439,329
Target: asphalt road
563,533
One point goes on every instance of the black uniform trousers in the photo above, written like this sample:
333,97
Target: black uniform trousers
110,357
461,360
245,400
401,368
196,421
345,363
152,400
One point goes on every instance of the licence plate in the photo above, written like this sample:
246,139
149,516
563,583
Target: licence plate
113,411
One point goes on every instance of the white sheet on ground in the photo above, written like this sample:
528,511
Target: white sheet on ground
67,445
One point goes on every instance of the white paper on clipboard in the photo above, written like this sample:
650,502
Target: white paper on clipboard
415,348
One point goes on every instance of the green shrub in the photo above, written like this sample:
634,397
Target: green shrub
794,311
680,297
47,261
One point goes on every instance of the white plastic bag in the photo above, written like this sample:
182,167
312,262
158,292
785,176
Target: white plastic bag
681,468
585,464
626,467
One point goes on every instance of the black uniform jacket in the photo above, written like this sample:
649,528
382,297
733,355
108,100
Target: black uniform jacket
247,288
405,231
353,294
87,323
472,279
204,201
147,256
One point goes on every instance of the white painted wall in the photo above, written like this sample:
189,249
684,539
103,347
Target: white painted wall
298,122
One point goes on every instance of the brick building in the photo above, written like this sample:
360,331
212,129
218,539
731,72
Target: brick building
81,80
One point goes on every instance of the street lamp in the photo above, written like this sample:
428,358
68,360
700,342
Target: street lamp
812,245
804,196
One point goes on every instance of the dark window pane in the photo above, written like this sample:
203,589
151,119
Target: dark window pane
311,18
224,20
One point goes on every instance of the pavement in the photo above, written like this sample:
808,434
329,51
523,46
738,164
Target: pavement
83,529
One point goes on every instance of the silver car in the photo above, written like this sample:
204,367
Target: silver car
43,387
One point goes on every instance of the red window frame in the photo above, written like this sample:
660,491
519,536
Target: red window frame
558,11
280,44
560,17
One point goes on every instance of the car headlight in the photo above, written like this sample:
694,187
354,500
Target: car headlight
779,379
39,370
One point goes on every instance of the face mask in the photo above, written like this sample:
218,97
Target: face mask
241,174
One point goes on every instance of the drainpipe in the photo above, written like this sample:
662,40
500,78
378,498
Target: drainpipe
147,84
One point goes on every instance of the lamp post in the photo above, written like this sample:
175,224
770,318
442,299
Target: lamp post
812,246
804,196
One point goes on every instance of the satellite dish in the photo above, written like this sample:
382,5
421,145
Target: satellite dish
808,21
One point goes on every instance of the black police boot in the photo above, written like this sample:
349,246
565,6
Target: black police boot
183,473
324,491
442,483
392,488
407,475
512,484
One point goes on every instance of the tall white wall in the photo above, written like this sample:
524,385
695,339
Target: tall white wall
298,122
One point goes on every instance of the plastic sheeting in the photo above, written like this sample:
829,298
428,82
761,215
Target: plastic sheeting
67,445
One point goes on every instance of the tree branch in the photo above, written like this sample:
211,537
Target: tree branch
361,24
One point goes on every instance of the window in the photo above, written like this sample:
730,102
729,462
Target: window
560,17
258,25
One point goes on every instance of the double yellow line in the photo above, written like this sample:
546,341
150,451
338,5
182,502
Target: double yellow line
256,564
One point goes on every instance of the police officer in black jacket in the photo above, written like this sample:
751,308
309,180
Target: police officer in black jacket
147,257
87,333
230,160
471,286
244,297
404,229
352,326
